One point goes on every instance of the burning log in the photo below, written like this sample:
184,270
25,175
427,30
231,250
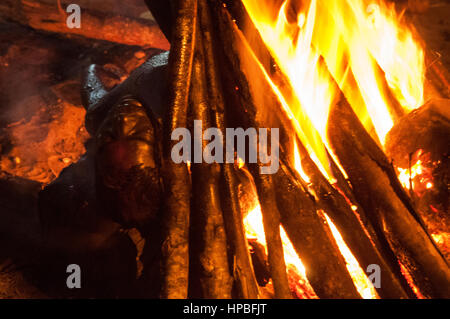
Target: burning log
175,249
421,158
431,124
260,263
312,240
271,221
386,204
362,239
208,257
244,275
42,15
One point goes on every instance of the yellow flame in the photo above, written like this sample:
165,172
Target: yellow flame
367,50
298,163
362,283
439,238
359,47
254,229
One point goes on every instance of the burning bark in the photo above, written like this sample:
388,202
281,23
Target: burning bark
421,159
271,221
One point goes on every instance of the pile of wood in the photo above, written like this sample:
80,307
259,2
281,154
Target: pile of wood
191,216
214,74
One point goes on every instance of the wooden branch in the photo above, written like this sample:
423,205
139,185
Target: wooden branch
175,252
271,220
208,250
41,15
245,280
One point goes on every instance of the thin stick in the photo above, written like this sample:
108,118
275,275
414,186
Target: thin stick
271,221
175,252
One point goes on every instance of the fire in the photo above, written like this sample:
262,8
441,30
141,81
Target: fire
407,175
418,176
361,48
362,283
254,227
364,47
298,164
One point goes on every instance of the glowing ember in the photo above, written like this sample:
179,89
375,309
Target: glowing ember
438,238
240,162
406,175
419,175
410,281
42,148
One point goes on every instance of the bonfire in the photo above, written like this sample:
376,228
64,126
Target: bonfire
356,108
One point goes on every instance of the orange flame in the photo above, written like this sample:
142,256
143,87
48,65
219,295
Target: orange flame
359,47
419,176
368,52
254,228
362,283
